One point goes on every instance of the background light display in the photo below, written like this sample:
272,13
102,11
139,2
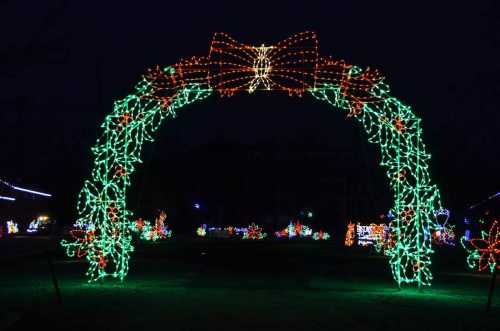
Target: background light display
380,236
294,229
38,224
254,232
150,232
320,235
12,227
294,66
201,231
350,234
444,233
372,234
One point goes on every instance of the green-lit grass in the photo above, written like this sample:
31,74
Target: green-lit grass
201,285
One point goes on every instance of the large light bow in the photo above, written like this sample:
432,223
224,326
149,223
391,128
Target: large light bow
289,65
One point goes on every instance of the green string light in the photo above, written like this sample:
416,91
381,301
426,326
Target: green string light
396,129
294,66
102,201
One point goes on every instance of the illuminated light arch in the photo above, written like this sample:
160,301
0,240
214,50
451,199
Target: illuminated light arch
295,66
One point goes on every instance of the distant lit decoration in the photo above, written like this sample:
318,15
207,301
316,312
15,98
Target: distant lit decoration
444,236
295,229
151,232
379,233
196,206
350,234
12,227
254,232
202,231
139,225
320,235
484,253
373,234
294,66
364,234
33,226
444,233
38,224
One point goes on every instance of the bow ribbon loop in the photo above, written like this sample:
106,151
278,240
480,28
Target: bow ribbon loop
289,65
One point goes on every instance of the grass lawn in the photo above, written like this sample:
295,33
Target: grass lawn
234,285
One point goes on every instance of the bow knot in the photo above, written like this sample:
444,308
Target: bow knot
289,65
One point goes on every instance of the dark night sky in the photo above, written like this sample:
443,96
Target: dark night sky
63,63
